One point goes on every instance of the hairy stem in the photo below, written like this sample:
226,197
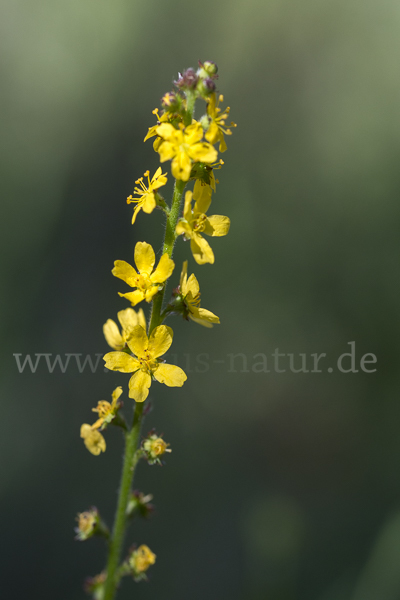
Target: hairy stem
132,437
169,243
118,534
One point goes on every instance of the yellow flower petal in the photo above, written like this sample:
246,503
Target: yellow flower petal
139,385
157,142
212,133
85,430
187,209
133,297
201,250
203,152
217,225
193,133
120,361
166,150
202,195
135,212
201,321
151,292
112,335
159,179
204,315
160,340
144,257
128,319
116,394
164,269
166,130
124,271
183,279
149,203
138,341
141,318
170,375
222,143
183,228
93,439
192,286
181,166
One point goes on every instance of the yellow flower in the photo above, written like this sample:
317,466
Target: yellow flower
87,523
93,439
107,411
183,146
141,559
145,365
217,129
152,130
190,292
147,201
195,222
146,281
128,319
154,447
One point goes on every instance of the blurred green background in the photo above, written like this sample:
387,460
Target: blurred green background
280,486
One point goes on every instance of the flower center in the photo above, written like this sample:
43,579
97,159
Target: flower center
199,223
143,282
103,408
148,363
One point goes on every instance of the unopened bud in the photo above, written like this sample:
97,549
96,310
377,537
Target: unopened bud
210,67
171,101
206,87
187,80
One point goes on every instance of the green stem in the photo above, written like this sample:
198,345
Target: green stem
130,461
190,102
169,243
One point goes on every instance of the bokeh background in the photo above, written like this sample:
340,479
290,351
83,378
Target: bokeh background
280,486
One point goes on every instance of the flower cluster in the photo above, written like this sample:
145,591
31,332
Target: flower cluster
139,345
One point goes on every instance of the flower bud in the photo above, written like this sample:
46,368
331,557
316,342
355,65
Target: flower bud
171,102
187,80
206,87
210,67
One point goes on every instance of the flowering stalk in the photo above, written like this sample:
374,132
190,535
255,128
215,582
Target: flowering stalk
131,459
137,348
